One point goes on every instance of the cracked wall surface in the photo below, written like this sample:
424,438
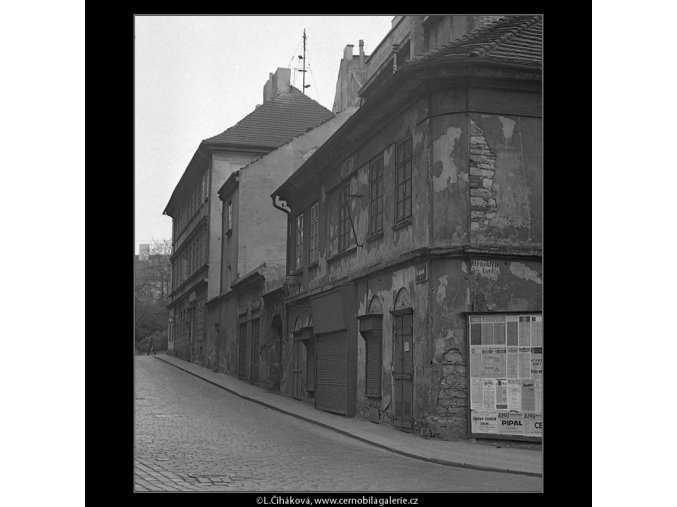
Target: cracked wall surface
476,183
505,179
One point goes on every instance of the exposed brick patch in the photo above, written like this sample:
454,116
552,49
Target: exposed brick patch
451,402
482,170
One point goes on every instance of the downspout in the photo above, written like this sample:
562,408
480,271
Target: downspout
218,299
285,320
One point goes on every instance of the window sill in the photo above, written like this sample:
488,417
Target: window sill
296,272
402,223
375,236
373,395
345,253
313,264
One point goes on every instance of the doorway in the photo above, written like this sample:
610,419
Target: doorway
403,365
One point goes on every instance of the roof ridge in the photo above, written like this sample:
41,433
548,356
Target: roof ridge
511,33
478,32
267,105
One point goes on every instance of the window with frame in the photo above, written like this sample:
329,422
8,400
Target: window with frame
314,231
344,217
376,195
403,179
299,242
229,216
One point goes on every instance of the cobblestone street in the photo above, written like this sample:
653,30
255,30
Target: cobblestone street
192,436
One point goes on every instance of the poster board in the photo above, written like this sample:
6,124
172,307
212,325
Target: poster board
505,352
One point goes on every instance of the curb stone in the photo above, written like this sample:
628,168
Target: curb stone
362,439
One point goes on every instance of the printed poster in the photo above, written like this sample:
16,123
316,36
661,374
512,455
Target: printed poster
537,333
501,394
524,362
475,360
487,362
499,369
487,334
524,332
514,395
511,363
476,397
506,374
538,396
476,334
483,422
499,333
510,423
533,424
489,393
512,332
537,363
528,396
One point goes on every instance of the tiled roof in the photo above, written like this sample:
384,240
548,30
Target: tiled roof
275,122
511,39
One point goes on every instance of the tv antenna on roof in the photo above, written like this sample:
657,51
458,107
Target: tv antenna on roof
303,89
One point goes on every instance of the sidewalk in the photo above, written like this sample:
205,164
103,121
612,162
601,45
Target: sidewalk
456,453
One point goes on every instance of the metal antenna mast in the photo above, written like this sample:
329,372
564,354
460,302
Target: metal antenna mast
303,89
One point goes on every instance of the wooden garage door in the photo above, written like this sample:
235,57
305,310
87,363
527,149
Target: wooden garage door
331,392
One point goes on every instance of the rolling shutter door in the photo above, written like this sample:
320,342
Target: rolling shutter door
332,370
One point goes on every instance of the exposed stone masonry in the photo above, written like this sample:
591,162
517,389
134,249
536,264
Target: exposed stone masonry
482,169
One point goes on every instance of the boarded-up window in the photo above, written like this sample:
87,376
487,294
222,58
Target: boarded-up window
373,364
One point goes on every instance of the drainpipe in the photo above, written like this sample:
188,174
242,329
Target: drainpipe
285,320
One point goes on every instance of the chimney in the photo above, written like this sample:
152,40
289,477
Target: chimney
348,52
361,48
277,83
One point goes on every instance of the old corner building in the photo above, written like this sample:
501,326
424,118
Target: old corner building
414,242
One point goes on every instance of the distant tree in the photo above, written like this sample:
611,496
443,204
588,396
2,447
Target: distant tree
152,280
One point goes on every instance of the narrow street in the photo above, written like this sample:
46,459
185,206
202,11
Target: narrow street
192,436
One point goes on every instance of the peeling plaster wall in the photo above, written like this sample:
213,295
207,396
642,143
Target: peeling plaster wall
505,179
463,285
392,243
449,179
386,286
449,384
500,285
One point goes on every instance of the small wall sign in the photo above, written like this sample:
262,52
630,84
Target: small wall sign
421,272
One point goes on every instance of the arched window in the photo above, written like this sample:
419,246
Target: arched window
402,300
375,305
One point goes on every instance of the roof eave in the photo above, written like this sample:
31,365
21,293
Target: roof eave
380,94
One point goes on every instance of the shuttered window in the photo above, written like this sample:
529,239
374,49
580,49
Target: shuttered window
373,364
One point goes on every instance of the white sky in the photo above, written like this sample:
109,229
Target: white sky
196,76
